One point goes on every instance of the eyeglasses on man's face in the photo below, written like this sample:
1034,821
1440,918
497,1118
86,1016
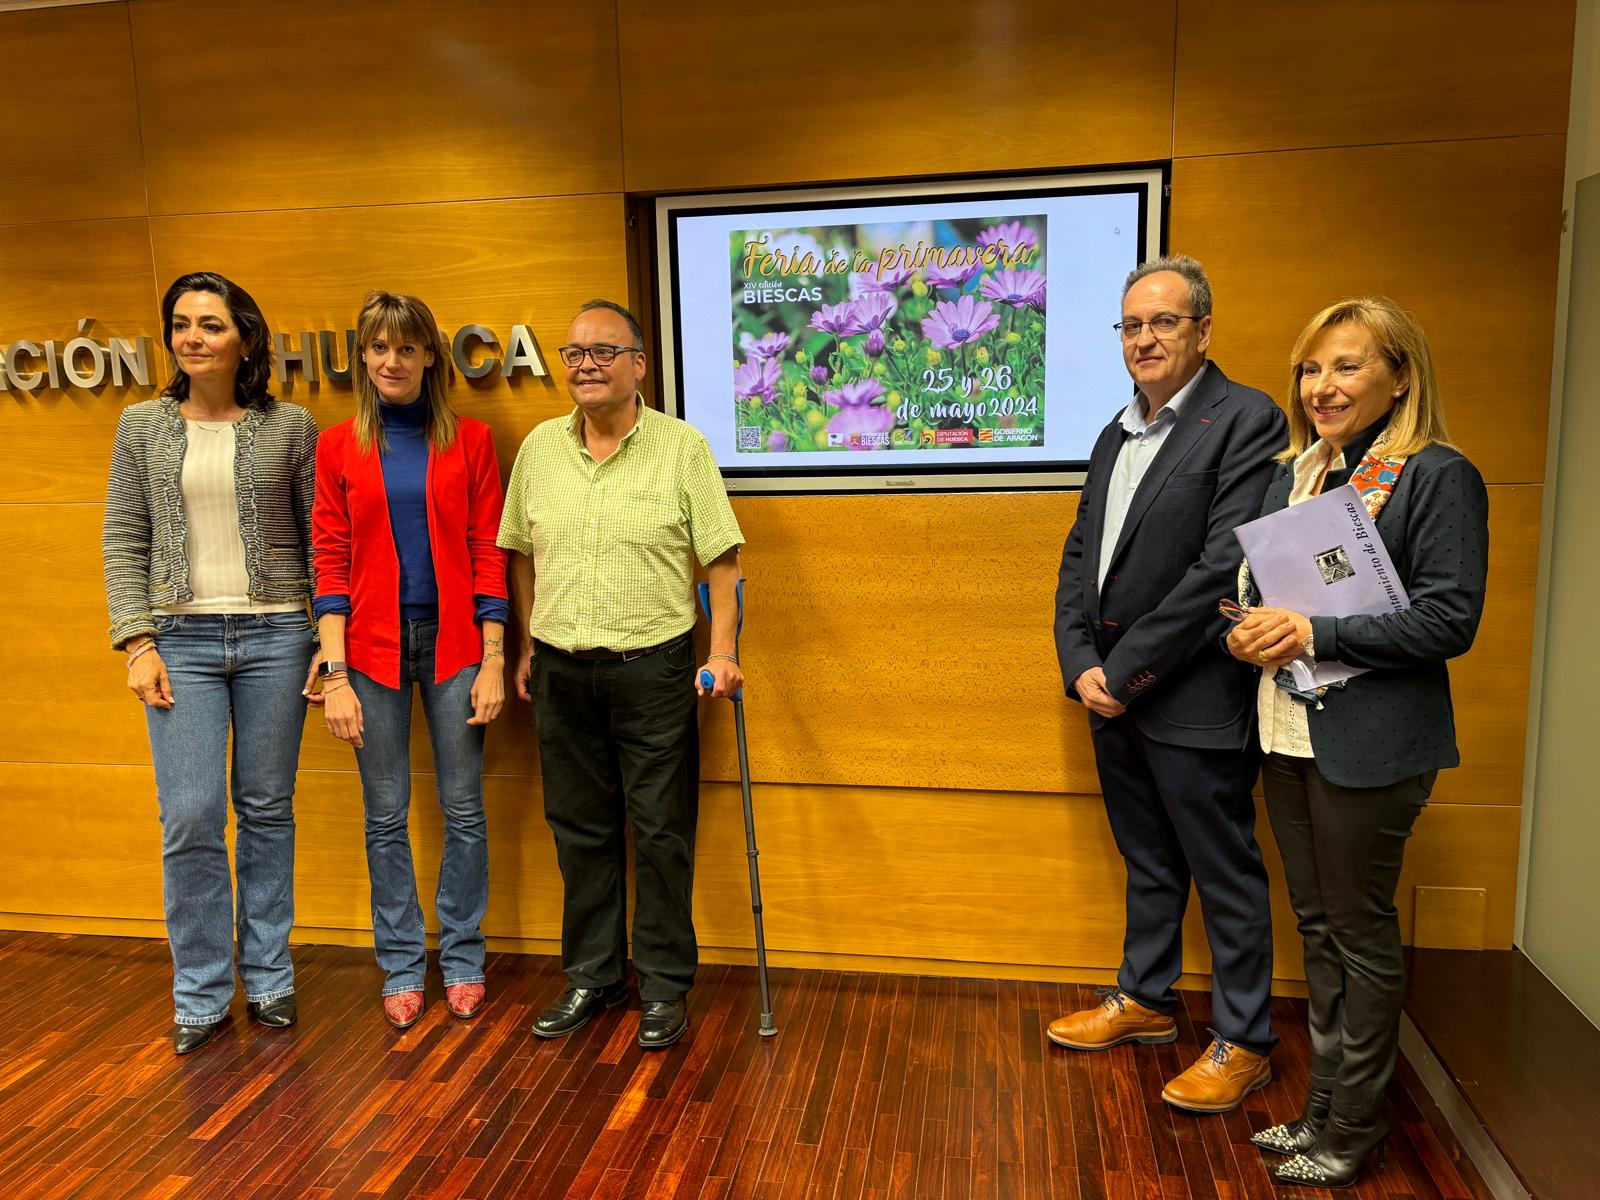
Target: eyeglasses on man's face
1162,324
603,355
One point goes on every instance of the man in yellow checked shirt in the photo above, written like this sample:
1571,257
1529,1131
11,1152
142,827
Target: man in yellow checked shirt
606,509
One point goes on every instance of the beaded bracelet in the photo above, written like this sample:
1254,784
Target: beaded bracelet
722,658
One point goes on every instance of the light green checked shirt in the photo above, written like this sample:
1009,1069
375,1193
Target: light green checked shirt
611,541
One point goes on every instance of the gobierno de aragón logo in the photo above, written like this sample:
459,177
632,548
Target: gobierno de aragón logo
86,362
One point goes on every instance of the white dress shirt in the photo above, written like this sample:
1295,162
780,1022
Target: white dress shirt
1139,450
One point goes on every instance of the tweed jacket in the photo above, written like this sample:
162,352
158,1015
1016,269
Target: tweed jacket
1397,720
145,531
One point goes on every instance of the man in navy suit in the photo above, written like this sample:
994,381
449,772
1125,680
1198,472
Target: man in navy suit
1140,642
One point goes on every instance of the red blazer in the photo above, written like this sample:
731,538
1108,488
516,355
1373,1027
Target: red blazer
355,556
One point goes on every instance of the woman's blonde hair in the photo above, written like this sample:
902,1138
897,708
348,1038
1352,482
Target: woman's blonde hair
400,318
1417,419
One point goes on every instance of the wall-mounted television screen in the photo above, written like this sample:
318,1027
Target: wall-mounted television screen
940,336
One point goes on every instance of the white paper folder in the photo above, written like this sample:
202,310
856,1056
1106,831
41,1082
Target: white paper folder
1323,558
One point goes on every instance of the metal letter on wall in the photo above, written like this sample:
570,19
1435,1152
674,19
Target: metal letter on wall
330,368
130,356
462,355
27,381
522,354
305,357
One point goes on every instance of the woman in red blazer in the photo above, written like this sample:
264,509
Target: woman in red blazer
411,590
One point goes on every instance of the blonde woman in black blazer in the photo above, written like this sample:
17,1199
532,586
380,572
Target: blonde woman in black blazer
1347,771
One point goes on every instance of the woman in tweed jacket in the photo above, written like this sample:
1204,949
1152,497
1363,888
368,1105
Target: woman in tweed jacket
1349,767
207,546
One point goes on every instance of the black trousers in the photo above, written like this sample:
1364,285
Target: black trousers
1180,813
619,746
1342,851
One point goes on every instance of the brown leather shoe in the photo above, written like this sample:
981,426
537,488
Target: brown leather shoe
1120,1018
1224,1075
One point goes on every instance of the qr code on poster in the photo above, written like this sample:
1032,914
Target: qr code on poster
749,437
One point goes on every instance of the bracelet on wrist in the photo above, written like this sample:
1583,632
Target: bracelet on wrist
722,658
141,648
336,686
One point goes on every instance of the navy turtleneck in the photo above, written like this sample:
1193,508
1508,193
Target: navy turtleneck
405,480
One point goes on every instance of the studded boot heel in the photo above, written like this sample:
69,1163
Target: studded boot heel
1299,1135
1335,1161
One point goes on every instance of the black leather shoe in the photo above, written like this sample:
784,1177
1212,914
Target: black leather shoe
661,1023
1299,1135
576,1008
276,1014
186,1039
1335,1161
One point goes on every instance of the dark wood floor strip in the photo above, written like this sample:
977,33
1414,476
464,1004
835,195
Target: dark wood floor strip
877,1086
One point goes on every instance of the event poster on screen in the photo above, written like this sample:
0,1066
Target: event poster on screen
942,332
847,338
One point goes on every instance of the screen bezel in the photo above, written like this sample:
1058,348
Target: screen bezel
1149,183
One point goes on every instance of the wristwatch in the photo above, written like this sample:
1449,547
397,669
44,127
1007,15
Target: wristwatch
1307,647
332,667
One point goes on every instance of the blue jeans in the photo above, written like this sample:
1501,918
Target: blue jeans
247,671
385,762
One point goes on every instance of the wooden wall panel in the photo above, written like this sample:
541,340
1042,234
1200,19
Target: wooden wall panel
1464,234
494,263
844,689
1489,684
905,641
70,120
54,445
1284,75
408,101
87,715
726,94
892,873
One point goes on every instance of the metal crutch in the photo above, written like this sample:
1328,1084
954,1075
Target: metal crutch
768,1029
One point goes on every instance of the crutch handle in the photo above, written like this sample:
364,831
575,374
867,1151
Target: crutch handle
707,680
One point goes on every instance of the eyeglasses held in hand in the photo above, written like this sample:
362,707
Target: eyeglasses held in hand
603,355
1233,610
1161,326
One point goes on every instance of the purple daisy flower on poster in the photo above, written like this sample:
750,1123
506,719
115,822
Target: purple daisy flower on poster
874,308
841,320
756,378
777,441
873,279
857,411
1012,233
951,275
819,374
873,345
1014,287
956,323
855,395
771,346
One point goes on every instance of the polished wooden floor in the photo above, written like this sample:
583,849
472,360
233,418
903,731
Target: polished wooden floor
876,1086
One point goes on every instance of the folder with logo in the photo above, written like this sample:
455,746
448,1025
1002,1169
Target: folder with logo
1323,558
